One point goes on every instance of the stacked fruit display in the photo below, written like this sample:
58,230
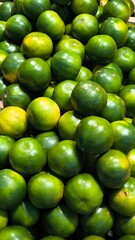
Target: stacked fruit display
67,120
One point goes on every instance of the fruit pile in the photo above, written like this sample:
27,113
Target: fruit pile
67,120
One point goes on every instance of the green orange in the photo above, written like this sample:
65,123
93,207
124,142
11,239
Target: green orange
13,188
45,190
83,6
83,194
43,113
6,143
15,231
93,128
27,156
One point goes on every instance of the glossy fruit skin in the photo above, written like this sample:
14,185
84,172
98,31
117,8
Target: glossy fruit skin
16,95
89,130
17,27
48,21
52,237
124,225
62,216
83,98
43,113
122,200
32,9
124,135
34,74
84,26
93,237
95,49
127,237
113,168
6,10
98,222
45,190
65,64
2,30
6,143
32,156
84,6
15,231
65,159
83,194
110,26
114,103
130,39
9,47
131,158
13,188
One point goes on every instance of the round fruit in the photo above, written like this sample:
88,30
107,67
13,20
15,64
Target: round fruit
113,168
118,198
83,6
43,113
12,188
131,159
65,159
124,225
88,98
50,22
65,64
13,232
94,135
27,156
83,194
13,121
61,216
45,190
34,74
6,144
37,44
101,49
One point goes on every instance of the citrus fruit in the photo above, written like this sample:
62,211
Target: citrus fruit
15,231
13,121
10,66
117,8
48,139
83,194
125,58
94,135
124,135
84,74
101,48
124,225
122,200
27,156
130,3
130,39
65,159
34,74
62,94
131,76
9,47
127,93
89,6
18,7
25,214
114,104
115,67
84,26
48,91
43,113
65,64
67,124
88,98
3,55
32,9
3,85
45,190
37,44
6,10
6,143
65,2
3,218
108,78
127,237
61,216
12,188
93,237
113,168
17,27
2,30
116,28
131,158
16,95
52,237
48,22
98,222
72,44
